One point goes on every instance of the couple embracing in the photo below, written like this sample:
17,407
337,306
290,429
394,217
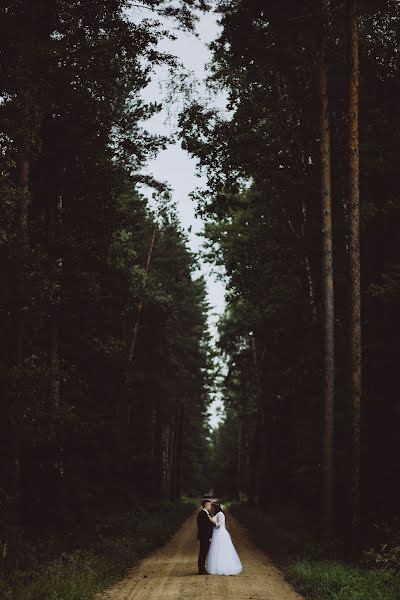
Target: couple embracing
215,542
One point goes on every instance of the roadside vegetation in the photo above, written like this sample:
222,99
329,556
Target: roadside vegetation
100,556
318,571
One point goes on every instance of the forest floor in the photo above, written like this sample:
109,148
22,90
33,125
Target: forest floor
170,573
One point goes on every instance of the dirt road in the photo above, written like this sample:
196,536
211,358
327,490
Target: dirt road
170,573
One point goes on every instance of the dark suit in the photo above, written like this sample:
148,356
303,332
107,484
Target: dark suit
204,533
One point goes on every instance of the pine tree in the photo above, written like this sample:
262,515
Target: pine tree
328,284
354,260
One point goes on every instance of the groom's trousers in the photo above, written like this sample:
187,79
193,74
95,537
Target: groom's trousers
203,551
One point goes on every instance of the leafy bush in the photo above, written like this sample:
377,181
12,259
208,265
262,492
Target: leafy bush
384,548
386,556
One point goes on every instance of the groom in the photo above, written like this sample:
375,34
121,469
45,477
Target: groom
204,533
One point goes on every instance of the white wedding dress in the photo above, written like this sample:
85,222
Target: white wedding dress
222,557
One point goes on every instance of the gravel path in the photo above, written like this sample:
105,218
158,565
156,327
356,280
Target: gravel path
170,573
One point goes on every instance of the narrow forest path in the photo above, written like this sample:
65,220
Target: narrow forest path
170,573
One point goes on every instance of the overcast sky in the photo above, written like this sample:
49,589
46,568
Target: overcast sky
174,165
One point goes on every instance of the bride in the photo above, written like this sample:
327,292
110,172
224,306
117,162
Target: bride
222,557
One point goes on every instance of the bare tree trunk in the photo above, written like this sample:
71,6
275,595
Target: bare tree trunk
239,461
311,292
54,371
140,307
179,451
282,84
176,454
172,458
354,262
328,295
16,407
165,460
153,429
125,412
23,184
23,205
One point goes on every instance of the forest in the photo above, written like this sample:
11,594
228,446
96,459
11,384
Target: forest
108,367
105,355
282,216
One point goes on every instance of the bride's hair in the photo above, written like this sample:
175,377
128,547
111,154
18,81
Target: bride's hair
217,507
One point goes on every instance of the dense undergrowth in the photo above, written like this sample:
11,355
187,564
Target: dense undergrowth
78,573
320,572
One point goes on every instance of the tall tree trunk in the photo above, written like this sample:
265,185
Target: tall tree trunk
255,454
328,294
354,263
53,392
16,408
25,35
165,484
